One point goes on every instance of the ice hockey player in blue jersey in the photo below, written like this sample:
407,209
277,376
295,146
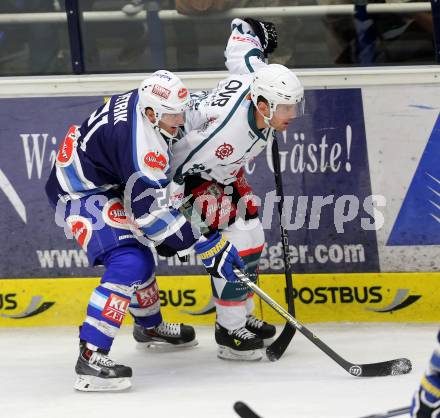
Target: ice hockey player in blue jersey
426,401
106,188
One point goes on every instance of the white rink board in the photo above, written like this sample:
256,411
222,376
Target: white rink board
37,376
398,123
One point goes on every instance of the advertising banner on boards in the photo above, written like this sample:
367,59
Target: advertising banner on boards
403,137
325,170
341,215
32,128
358,297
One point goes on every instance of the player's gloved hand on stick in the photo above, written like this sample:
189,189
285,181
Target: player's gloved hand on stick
266,33
219,257
426,401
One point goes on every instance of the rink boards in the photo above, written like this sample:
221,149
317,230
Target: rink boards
368,148
360,171
367,297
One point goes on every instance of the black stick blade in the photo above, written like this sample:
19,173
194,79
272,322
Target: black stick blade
279,346
392,413
384,368
244,411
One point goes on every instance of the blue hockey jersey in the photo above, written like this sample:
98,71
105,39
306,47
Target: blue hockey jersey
117,148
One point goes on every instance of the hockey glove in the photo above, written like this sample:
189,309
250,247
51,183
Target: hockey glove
219,257
426,401
266,33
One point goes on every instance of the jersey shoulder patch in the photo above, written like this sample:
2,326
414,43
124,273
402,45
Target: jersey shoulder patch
150,152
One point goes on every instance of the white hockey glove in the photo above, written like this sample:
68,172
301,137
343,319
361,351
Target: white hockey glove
266,33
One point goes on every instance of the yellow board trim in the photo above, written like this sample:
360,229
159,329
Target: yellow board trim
354,297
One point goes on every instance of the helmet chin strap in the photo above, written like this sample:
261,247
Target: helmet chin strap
170,137
267,119
161,130
165,133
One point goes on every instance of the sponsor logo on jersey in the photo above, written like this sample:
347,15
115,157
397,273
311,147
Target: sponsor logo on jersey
182,93
81,229
155,160
161,91
114,214
164,75
224,151
149,296
127,236
67,147
115,308
246,39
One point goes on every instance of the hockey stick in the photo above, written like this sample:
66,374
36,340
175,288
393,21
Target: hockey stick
279,346
244,411
384,368
391,413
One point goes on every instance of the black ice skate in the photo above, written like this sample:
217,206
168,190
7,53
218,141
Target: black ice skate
166,334
260,328
239,344
98,373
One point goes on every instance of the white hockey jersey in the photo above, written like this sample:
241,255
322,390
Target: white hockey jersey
222,133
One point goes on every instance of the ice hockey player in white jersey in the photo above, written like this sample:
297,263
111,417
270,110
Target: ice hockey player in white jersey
104,186
227,128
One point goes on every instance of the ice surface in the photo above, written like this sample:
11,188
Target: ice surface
36,369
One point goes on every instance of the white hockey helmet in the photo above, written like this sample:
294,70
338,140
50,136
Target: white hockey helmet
165,94
278,85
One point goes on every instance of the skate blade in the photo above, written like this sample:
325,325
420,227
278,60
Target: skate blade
85,383
164,347
227,353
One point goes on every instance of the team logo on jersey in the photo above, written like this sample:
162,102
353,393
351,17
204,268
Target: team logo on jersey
81,229
224,151
114,215
67,147
115,308
155,160
161,91
149,296
182,93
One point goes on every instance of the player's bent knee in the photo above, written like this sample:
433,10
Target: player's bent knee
129,266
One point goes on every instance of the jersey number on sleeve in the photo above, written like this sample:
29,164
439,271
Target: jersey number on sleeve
96,120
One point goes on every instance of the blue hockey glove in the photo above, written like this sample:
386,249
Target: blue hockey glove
219,257
426,401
